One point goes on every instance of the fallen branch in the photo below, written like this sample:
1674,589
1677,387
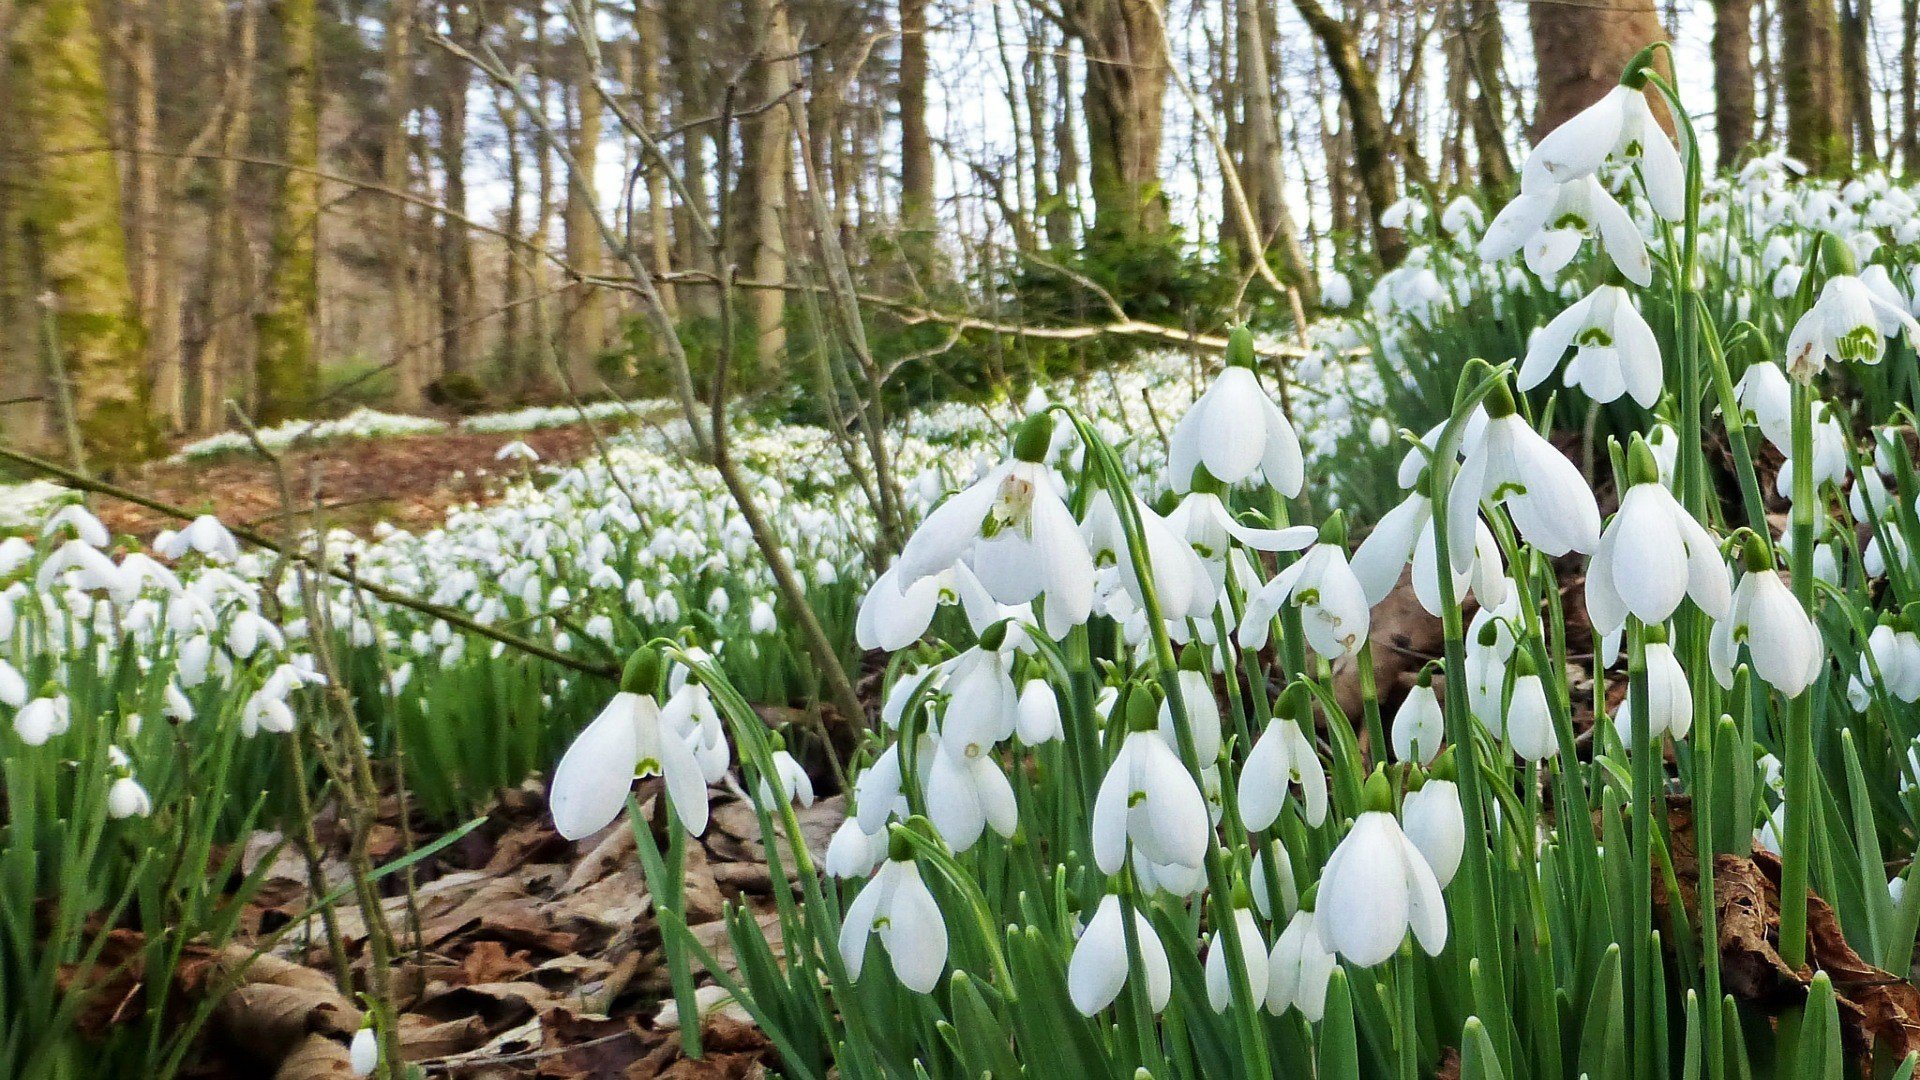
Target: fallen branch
392,596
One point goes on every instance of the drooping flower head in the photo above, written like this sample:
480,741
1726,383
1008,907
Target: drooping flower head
1236,431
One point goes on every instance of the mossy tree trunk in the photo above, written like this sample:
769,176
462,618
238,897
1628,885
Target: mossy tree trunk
286,363
70,211
1816,102
1126,86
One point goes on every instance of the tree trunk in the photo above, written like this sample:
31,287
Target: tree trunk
1909,127
1366,124
229,267
148,228
286,365
70,210
1263,172
1733,105
646,29
916,143
1816,106
456,284
1063,216
396,156
1126,84
1580,51
1856,81
766,165
586,319
1483,44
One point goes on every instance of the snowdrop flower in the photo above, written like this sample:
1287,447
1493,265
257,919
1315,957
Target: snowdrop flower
1783,642
1615,351
1848,322
1208,526
517,451
87,567
1652,555
795,785
1299,968
1435,826
1333,604
1282,756
206,535
1283,881
897,907
966,792
1419,726
761,619
13,686
1253,951
1236,431
1375,887
1097,971
1014,531
126,798
77,519
628,738
1513,465
1336,290
1527,724
1462,216
853,852
1405,533
42,719
1893,650
1552,220
1037,717
1620,126
1766,397
1149,798
363,1054
894,614
1202,709
1670,699
1181,582
983,705
1406,213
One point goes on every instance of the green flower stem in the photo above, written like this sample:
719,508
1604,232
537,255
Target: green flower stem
1476,876
1797,850
1645,759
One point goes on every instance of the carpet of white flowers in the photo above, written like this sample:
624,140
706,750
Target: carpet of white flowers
1640,443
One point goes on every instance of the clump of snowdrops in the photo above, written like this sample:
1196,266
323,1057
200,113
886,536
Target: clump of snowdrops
1116,821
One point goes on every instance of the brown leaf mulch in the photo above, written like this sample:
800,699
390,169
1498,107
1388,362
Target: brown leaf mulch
1878,1010
410,481
520,956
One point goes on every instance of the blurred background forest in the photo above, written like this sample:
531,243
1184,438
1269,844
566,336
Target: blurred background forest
306,205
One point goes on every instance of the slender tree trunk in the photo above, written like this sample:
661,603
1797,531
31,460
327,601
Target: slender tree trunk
1909,126
1816,106
916,143
77,245
647,31
456,284
1483,44
286,364
148,209
1856,80
1126,86
586,321
1733,83
1366,124
1264,172
1063,216
396,156
766,167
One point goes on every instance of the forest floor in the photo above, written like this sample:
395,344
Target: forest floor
409,481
